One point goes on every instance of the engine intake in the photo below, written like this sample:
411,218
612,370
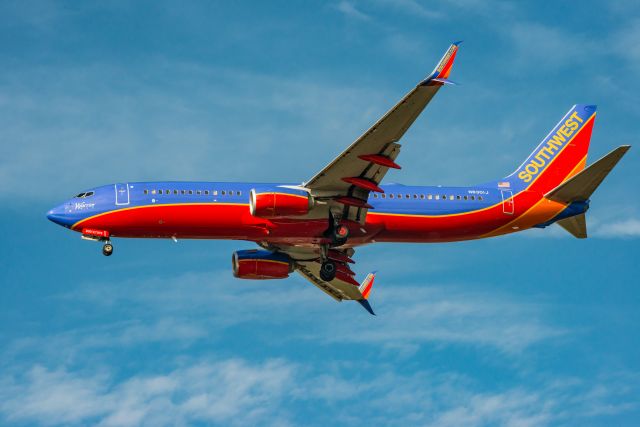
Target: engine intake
280,202
259,264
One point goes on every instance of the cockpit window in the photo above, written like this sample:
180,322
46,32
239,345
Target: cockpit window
83,195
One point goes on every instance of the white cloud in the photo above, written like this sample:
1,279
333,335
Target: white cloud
411,7
548,46
229,392
628,228
94,123
350,10
279,392
450,315
410,315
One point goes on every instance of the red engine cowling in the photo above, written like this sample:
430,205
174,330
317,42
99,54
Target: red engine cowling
258,264
272,203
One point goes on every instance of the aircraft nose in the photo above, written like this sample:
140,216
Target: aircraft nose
58,215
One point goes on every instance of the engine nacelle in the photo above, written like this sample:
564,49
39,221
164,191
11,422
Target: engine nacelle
259,264
279,202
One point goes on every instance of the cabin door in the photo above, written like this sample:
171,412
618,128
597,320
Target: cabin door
122,194
507,202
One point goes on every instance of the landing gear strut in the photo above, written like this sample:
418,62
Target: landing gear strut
107,248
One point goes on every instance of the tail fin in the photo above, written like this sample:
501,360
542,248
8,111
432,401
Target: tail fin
365,290
560,155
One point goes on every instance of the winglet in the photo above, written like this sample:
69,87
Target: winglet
441,73
365,290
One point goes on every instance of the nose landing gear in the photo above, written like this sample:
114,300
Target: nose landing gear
107,249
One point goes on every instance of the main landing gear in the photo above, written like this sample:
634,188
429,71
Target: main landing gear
107,248
338,233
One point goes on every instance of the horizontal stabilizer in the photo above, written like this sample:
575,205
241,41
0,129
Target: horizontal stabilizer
580,187
576,225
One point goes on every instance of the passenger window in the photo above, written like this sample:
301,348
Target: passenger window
375,195
146,191
384,196
190,191
198,192
473,197
223,192
215,192
408,196
183,192
444,197
429,197
458,197
391,196
465,197
153,191
399,196
422,196
479,197
238,193
206,192
167,192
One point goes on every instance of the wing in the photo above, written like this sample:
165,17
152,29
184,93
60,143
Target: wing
344,286
359,169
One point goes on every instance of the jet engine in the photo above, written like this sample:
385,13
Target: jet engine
279,202
259,264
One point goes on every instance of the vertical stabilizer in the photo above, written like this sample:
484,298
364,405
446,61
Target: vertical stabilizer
560,155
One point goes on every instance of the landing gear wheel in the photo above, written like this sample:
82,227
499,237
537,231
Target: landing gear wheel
107,249
328,271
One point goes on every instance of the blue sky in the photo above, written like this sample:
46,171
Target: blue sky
535,329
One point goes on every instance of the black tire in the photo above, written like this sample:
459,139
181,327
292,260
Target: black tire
107,249
328,271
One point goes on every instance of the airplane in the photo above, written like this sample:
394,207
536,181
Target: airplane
313,228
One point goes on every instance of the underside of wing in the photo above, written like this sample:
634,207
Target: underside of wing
338,288
342,285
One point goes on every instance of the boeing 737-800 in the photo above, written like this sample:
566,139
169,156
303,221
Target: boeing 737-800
312,228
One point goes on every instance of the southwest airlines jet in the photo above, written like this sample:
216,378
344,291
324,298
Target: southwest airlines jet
312,228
